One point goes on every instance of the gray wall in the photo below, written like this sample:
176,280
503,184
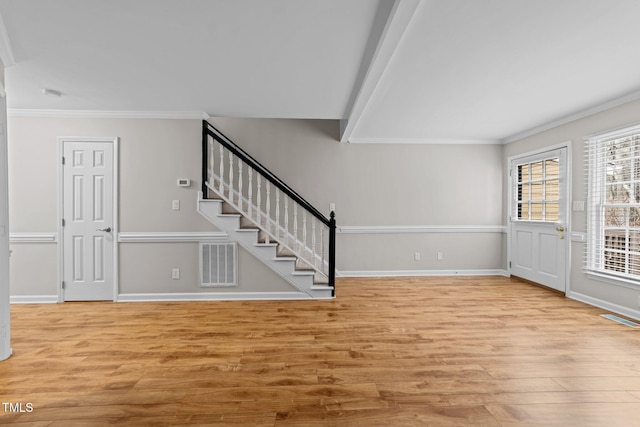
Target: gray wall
153,155
614,297
388,189
390,199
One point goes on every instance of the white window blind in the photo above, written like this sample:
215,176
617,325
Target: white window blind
613,214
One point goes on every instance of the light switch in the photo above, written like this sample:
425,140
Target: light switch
175,205
578,206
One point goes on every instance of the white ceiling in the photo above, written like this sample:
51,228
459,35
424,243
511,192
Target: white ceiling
392,70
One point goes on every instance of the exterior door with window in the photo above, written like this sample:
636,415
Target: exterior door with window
538,218
88,220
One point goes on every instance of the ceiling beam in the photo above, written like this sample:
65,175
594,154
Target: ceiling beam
6,51
394,29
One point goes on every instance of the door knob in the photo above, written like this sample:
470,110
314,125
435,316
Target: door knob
560,228
107,230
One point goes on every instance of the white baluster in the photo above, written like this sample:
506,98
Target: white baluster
295,226
267,222
231,177
268,207
313,241
250,207
240,184
286,219
221,188
277,212
211,162
322,249
258,197
304,231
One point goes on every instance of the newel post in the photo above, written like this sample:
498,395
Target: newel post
332,251
205,156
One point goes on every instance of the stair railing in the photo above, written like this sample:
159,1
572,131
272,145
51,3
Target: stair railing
269,203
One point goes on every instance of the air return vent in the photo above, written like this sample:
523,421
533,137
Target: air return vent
218,264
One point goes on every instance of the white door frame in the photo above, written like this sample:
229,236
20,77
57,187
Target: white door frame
114,202
5,318
567,145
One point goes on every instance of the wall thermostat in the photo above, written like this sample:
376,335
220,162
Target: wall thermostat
183,182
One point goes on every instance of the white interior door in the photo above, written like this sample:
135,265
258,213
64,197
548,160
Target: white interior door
538,218
88,226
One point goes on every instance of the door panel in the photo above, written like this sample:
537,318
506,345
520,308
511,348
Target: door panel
538,217
88,238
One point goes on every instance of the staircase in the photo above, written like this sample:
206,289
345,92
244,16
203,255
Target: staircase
266,217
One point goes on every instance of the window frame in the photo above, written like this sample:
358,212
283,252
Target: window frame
518,202
596,227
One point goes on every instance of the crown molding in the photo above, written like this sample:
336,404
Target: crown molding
104,114
633,96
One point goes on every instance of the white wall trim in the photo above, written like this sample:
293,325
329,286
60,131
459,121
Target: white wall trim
34,299
422,273
103,114
425,141
128,237
403,229
633,96
605,305
170,237
33,238
213,296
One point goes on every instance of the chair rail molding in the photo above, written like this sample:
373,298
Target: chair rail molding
409,229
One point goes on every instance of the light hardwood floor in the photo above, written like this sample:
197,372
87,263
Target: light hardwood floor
387,352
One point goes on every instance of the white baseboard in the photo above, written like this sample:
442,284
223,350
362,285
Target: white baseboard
606,305
404,273
34,299
213,296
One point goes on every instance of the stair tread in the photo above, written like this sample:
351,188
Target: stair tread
321,287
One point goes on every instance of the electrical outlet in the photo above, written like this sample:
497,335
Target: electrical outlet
175,274
175,205
416,256
440,256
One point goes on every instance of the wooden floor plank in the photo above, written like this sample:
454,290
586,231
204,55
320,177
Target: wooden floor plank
388,351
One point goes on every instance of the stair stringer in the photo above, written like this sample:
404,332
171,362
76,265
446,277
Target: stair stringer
248,238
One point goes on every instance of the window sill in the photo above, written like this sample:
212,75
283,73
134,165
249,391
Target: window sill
614,280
